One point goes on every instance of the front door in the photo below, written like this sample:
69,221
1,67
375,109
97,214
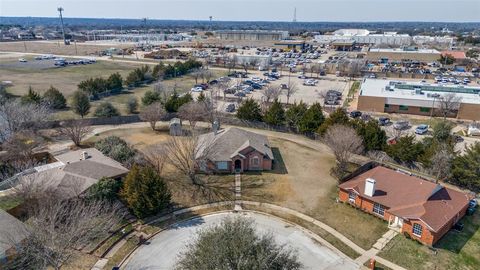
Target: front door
238,165
398,222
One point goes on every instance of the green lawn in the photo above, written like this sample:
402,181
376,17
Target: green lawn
9,202
456,250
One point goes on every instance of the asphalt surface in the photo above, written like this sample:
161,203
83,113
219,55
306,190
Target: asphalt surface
162,251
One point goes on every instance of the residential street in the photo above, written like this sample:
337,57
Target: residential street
161,252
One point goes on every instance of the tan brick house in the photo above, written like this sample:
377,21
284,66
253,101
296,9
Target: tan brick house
234,150
423,209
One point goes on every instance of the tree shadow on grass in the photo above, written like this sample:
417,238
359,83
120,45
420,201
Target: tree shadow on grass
278,164
454,241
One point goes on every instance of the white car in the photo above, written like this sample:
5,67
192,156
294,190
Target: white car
23,60
197,89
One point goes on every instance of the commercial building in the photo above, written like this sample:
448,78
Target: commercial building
424,210
436,40
290,44
364,37
257,35
403,54
417,98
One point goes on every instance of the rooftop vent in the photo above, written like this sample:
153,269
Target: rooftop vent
85,155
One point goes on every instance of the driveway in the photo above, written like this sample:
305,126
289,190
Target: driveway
162,250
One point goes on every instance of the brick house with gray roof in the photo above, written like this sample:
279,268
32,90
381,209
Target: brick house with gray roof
234,150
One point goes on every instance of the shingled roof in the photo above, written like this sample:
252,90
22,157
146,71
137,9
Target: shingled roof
12,231
226,143
72,174
410,197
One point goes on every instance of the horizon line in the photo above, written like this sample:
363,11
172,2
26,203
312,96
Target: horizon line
208,21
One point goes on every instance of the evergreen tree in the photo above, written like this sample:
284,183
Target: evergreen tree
80,103
105,189
115,82
373,136
145,192
201,97
249,110
31,96
151,97
312,119
275,115
339,116
405,150
106,109
294,115
54,99
466,168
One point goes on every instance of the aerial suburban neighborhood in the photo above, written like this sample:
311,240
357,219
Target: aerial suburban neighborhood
197,135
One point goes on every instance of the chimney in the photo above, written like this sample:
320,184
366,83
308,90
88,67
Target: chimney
84,155
370,187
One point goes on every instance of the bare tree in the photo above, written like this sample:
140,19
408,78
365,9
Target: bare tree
196,74
344,142
57,228
193,112
245,64
75,130
153,113
449,104
292,88
207,75
441,162
271,93
156,156
185,153
232,62
15,117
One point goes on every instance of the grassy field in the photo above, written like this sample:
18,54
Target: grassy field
65,79
301,181
40,76
9,202
57,47
456,250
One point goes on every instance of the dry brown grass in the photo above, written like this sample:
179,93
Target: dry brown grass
56,47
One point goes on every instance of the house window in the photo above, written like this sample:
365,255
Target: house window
423,109
403,108
378,209
222,165
387,105
417,229
352,196
255,161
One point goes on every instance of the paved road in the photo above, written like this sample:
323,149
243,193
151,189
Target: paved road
162,251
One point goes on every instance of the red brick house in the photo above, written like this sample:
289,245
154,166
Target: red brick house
423,209
234,150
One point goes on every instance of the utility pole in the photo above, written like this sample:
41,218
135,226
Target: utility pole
295,15
60,10
145,29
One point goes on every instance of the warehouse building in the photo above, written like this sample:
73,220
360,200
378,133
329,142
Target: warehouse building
256,35
403,54
417,98
363,36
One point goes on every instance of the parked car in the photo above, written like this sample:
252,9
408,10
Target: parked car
399,125
355,114
23,60
421,129
383,121
197,89
230,107
473,203
240,94
213,82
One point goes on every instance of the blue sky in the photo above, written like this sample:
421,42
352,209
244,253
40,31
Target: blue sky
261,10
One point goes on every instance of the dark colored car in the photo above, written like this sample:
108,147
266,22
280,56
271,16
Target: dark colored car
383,121
213,82
230,107
355,114
256,86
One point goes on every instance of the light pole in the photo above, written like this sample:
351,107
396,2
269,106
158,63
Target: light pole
60,10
